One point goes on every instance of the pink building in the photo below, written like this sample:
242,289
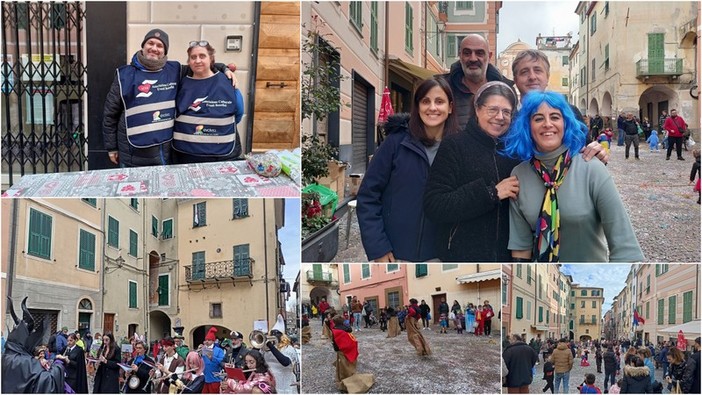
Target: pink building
380,284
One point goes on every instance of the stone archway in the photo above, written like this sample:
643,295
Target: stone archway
606,109
197,335
317,293
159,324
584,338
655,99
594,108
583,107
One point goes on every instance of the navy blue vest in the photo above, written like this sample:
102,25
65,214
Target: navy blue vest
149,102
205,124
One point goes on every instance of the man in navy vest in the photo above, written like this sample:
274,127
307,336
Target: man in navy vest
140,108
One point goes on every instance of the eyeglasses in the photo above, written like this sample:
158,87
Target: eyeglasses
492,111
202,43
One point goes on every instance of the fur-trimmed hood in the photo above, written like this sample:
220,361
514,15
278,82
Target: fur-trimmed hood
638,371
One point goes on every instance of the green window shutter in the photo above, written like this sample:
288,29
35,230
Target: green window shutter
391,267
451,47
39,243
365,270
519,271
420,270
167,229
199,214
347,273
687,307
661,304
528,274
374,26
113,232
198,269
656,52
241,208
163,290
132,295
317,271
409,30
134,203
671,309
520,306
90,201
356,14
541,314
547,315
648,310
133,243
242,268
154,226
86,257
504,293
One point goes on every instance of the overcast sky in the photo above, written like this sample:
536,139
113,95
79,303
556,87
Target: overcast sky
524,20
289,236
611,277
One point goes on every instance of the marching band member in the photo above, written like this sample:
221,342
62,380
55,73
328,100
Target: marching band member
346,347
193,379
235,355
142,365
260,381
74,358
414,335
281,359
181,348
168,364
212,356
107,374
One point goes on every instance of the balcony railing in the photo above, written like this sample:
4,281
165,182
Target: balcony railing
319,276
658,67
222,270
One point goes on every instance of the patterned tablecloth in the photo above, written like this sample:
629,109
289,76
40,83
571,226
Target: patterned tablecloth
217,179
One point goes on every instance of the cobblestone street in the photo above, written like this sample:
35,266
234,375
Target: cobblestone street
656,194
460,364
577,376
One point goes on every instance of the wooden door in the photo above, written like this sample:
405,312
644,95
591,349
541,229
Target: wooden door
277,106
109,323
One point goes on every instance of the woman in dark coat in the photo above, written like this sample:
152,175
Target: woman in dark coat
390,213
469,184
636,378
107,375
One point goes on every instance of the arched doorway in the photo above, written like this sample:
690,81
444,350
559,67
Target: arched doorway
199,333
159,325
594,108
606,110
317,293
656,99
585,338
583,107
85,314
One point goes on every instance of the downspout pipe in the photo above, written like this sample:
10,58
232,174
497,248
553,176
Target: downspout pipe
265,261
387,44
13,250
252,78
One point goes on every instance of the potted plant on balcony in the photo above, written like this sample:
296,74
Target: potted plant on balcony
320,163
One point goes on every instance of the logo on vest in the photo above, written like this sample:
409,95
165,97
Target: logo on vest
145,88
196,104
157,116
199,128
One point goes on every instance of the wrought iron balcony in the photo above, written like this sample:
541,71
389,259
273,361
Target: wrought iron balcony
671,67
222,270
321,277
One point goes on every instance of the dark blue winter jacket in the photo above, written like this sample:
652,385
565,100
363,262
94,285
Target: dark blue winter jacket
390,200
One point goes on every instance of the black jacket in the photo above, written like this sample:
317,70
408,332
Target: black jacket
691,378
107,375
462,96
636,380
630,127
461,198
75,370
610,361
519,358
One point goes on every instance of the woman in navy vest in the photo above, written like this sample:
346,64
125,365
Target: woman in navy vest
208,110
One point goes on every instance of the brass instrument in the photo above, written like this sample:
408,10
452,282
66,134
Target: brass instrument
259,339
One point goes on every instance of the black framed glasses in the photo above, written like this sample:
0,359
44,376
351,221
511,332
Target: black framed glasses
202,43
492,111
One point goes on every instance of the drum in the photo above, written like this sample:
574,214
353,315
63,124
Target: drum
133,382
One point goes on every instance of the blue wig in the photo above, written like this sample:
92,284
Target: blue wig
518,142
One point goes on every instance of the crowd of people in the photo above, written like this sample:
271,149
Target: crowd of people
102,364
628,366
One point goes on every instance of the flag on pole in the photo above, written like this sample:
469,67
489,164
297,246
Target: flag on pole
638,318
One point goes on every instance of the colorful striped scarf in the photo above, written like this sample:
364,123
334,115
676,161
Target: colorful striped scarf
546,247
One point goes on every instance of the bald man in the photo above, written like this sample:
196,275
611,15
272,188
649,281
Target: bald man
469,73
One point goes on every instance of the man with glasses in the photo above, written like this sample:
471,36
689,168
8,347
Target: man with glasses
469,73
139,111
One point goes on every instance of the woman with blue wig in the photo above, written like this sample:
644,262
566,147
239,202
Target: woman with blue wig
567,209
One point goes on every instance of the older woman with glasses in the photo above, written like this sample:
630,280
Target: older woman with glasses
469,184
567,210
208,110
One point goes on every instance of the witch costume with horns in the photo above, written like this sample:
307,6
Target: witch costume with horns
21,372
